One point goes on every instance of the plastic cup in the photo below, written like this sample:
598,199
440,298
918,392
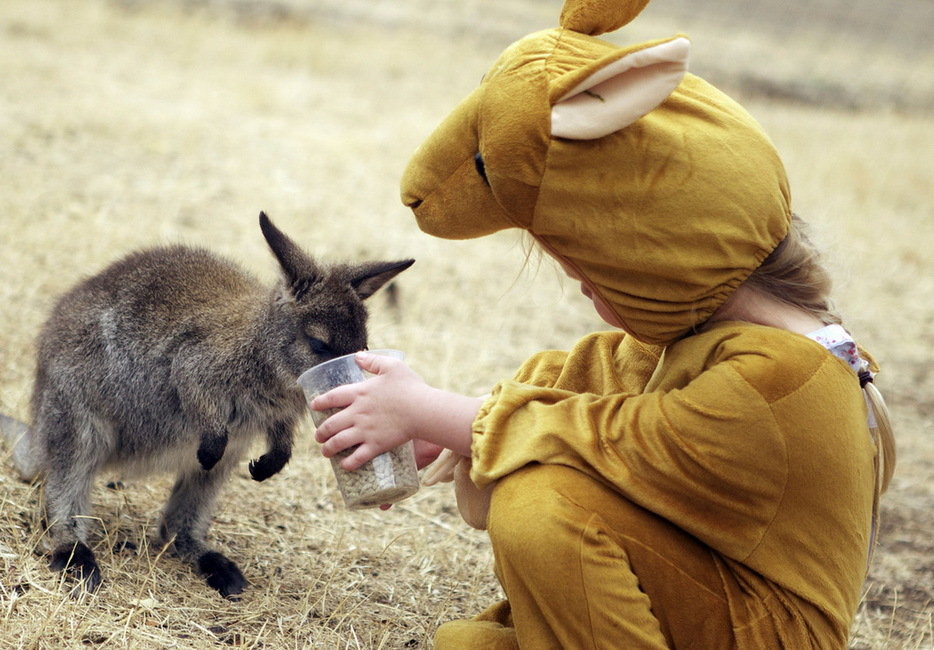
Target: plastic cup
387,478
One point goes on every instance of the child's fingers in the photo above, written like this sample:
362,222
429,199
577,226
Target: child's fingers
336,398
324,431
336,423
442,470
360,455
426,453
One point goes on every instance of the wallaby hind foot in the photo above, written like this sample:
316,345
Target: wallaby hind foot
77,560
221,573
186,519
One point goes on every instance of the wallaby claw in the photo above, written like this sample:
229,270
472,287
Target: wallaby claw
211,450
267,465
221,574
79,561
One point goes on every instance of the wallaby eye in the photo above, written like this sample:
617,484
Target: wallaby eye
481,167
318,346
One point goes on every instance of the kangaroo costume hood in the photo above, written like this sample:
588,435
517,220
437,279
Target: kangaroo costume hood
658,189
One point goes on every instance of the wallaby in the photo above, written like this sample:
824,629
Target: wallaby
174,359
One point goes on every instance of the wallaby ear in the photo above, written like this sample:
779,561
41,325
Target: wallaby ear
368,278
620,92
299,269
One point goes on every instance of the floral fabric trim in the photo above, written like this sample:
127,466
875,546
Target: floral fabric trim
841,345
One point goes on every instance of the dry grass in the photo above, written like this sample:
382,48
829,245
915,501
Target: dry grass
128,124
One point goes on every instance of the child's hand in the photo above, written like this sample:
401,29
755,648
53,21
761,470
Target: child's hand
390,409
377,415
426,453
442,470
473,503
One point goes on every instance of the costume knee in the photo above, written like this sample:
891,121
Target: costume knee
580,561
539,507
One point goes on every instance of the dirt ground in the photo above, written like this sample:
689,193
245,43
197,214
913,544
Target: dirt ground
140,122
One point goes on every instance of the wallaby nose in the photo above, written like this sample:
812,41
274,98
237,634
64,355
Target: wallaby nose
414,203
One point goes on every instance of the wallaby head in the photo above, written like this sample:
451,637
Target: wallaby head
319,313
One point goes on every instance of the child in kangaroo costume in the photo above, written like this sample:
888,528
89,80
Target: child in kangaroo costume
708,475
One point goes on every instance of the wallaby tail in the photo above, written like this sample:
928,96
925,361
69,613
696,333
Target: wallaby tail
18,437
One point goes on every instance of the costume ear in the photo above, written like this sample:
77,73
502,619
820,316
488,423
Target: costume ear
620,92
595,17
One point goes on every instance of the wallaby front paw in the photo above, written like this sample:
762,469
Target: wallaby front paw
267,465
79,561
211,450
221,574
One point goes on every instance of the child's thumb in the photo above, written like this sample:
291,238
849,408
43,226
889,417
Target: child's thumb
373,363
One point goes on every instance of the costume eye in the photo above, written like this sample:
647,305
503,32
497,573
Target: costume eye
318,346
481,167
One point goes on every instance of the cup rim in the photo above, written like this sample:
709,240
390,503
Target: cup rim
389,352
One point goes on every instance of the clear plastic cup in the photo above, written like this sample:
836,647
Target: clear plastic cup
387,478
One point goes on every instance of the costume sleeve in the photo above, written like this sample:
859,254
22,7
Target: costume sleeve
709,456
604,362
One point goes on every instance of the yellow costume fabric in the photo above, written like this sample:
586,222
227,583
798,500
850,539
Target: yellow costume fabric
749,439
677,485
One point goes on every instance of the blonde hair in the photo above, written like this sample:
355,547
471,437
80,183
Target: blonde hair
883,435
794,274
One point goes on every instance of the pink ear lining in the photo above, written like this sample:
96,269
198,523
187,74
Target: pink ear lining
673,51
620,92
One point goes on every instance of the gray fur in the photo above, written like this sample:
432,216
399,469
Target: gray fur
173,360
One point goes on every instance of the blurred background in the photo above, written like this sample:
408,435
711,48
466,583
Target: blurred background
130,123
